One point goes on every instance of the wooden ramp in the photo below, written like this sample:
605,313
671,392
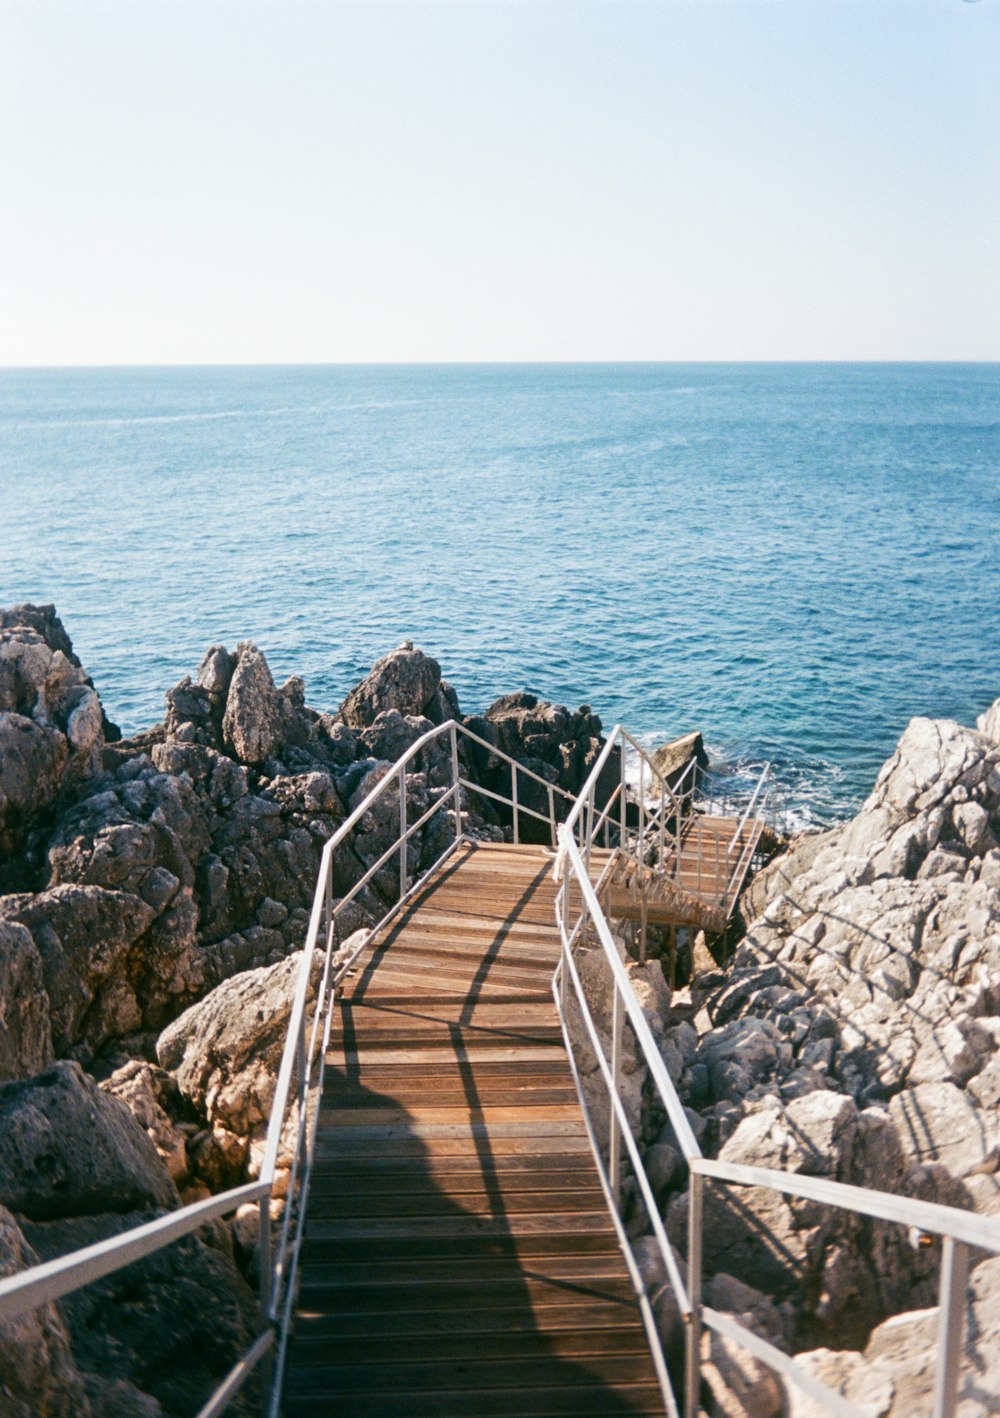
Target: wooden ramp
459,1258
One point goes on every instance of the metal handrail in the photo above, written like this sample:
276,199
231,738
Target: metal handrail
960,1230
302,1063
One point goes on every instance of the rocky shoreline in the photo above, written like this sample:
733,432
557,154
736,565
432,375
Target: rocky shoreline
155,893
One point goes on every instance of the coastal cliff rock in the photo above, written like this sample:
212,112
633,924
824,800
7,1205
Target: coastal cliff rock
155,1338
51,730
224,1054
72,1150
856,1035
38,1373
25,1027
406,680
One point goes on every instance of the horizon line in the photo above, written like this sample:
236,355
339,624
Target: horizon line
476,363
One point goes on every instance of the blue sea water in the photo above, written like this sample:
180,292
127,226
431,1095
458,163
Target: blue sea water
794,558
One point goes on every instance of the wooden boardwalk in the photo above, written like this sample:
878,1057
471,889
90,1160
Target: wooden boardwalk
459,1258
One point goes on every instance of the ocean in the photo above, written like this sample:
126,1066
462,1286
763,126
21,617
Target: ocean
794,559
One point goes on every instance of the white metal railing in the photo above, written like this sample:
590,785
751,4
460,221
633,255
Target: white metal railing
300,1075
959,1230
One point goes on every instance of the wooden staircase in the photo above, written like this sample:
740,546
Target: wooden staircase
459,1257
698,885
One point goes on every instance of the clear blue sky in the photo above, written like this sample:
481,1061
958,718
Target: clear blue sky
281,180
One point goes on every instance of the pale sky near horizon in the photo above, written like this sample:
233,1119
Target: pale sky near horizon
242,181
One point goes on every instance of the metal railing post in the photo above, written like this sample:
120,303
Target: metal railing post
692,1358
328,904
951,1325
624,789
513,800
641,852
402,833
552,816
614,1127
456,785
563,971
266,1294
590,830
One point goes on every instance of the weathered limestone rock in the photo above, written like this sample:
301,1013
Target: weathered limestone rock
843,1273
51,722
894,1377
252,723
673,759
38,1374
71,1150
85,937
939,1123
168,1327
225,1050
406,680
989,723
148,1092
25,1027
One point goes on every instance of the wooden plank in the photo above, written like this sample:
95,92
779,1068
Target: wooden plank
510,1344
452,1263
421,1056
572,1313
576,1401
347,1144
459,1113
477,1373
335,1204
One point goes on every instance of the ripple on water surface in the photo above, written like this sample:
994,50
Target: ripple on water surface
796,559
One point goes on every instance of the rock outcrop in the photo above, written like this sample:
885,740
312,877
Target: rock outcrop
71,1149
855,1036
39,1377
51,732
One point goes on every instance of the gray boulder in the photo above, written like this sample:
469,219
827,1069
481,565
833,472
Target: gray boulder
51,721
71,1150
894,1376
252,723
406,680
225,1051
85,937
38,1373
157,1335
938,1122
25,1027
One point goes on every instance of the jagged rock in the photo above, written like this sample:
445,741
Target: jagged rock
225,1050
673,759
169,1326
215,673
528,728
25,1026
84,936
406,680
51,722
843,1272
251,724
894,1377
989,723
71,1150
392,734
38,1374
148,1092
939,1123
117,1398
